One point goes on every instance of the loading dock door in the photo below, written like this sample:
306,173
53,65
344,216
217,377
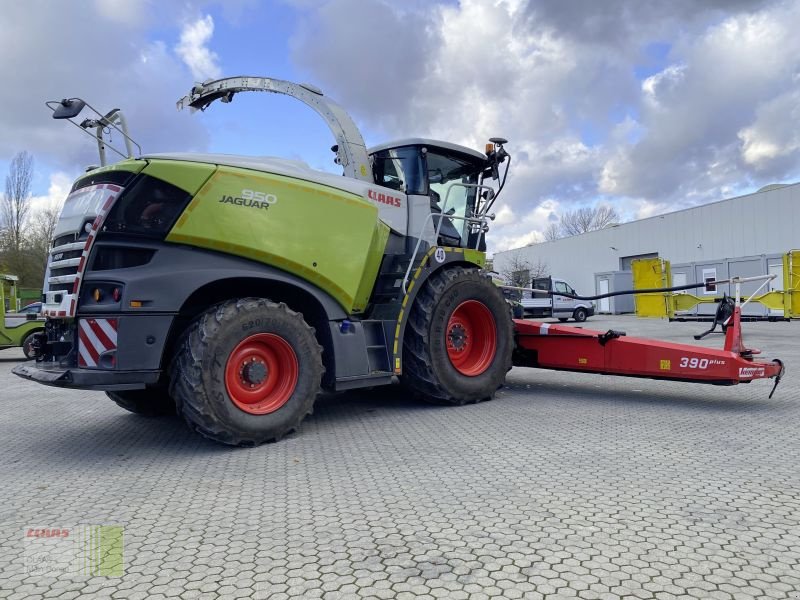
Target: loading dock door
776,284
605,303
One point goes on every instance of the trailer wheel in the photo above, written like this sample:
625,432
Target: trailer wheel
27,345
151,402
458,340
580,315
246,372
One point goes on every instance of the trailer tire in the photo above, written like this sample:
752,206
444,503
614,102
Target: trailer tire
27,344
580,315
458,340
246,372
151,402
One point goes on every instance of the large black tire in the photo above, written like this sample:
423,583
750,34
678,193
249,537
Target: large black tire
580,315
203,385
151,402
427,367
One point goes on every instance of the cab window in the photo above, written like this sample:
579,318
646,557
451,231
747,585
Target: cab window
399,169
560,287
541,284
445,173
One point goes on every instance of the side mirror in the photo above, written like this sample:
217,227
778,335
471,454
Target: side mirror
68,108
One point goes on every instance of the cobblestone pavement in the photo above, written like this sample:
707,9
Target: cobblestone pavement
564,486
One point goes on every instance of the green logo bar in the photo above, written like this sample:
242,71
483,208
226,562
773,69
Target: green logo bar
102,550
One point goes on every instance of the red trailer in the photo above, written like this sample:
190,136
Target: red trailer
560,347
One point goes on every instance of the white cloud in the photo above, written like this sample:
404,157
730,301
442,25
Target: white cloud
662,83
111,63
560,80
757,149
504,215
193,50
368,55
771,136
701,140
60,184
525,230
640,208
124,12
714,117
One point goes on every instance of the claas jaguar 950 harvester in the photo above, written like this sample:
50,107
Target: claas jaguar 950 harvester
233,289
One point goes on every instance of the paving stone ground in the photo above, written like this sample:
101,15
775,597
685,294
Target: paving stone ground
565,485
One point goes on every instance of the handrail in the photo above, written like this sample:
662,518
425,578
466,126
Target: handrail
480,219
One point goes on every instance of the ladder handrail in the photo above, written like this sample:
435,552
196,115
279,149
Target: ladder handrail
480,219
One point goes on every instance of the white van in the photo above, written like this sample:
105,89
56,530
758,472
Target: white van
561,307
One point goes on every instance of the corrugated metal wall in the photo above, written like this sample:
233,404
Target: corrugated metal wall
761,223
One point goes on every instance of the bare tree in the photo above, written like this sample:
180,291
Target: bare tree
553,232
519,272
588,219
16,206
44,222
40,235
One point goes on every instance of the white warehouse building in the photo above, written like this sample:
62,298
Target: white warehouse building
747,235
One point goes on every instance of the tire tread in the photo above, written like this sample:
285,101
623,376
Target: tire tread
419,375
187,367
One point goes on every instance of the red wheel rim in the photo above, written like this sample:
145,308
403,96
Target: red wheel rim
471,338
261,373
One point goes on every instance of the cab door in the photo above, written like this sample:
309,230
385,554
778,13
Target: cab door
562,306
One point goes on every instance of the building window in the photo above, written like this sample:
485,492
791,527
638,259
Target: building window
708,276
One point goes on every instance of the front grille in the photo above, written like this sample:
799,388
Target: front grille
64,259
66,264
64,239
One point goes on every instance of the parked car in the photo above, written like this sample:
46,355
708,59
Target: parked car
17,329
32,308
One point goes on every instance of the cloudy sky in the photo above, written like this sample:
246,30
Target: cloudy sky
645,105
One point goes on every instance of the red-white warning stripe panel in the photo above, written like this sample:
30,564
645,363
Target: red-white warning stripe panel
95,337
